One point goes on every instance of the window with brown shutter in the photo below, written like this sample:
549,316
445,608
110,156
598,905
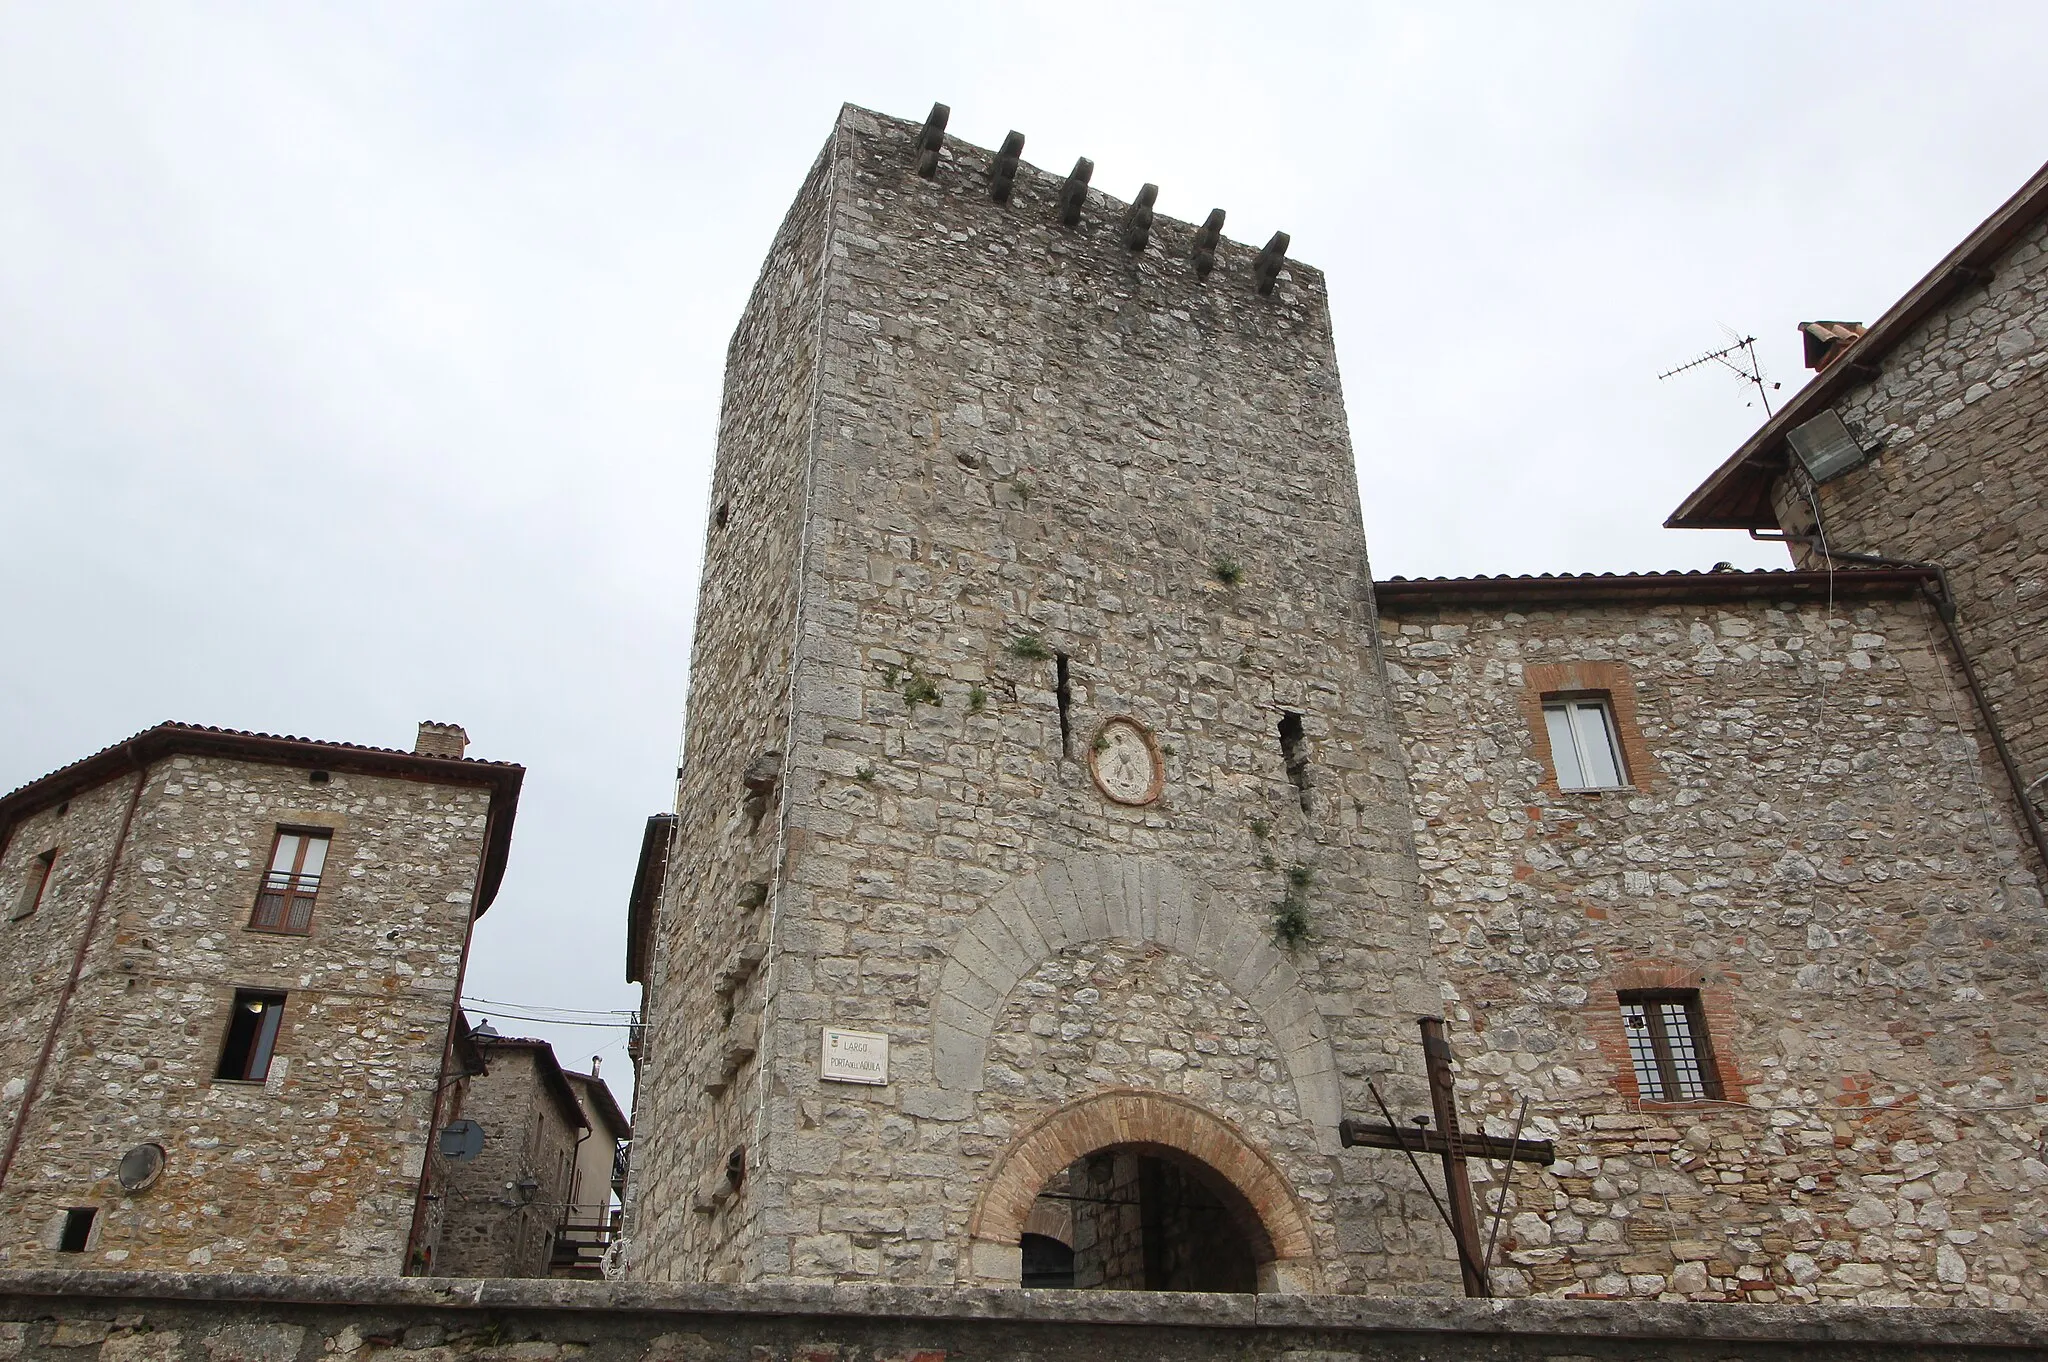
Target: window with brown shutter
37,886
284,903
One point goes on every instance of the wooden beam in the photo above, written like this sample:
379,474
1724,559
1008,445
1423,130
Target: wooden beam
1364,1135
1138,221
1203,254
1002,172
931,139
1266,269
1074,193
1436,1061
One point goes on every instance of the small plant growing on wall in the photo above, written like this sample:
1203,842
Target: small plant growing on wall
977,700
1290,911
919,689
1227,571
1029,647
1261,828
865,775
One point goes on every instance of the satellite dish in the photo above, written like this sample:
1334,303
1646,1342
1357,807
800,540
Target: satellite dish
462,1141
140,1167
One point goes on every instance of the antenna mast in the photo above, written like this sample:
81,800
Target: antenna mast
1748,369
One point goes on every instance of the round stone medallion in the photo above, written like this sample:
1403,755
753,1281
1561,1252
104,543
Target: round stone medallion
1125,762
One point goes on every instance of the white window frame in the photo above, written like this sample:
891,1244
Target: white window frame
1583,736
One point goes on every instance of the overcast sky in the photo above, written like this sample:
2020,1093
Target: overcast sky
360,363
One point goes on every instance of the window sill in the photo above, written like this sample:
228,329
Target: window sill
278,931
240,1082
1601,790
1689,1104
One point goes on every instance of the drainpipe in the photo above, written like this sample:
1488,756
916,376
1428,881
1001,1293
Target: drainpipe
92,926
1944,602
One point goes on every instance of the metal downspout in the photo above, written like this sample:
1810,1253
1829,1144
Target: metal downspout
92,925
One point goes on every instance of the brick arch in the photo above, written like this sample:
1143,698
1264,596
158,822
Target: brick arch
1095,897
1132,1118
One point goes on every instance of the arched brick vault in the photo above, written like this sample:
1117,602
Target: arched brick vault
1094,897
1136,1117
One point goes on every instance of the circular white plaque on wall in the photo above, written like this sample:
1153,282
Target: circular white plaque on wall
1125,762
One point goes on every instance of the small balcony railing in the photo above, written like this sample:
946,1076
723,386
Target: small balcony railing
284,903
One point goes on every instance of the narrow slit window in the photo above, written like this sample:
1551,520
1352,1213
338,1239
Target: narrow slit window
1667,1045
284,903
77,1231
1584,746
1294,752
252,1037
1064,694
37,885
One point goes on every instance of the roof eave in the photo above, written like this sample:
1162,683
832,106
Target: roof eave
1762,455
1655,588
502,779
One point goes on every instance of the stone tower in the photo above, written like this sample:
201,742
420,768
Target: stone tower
1038,736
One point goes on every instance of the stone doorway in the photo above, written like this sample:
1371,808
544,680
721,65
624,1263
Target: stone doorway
1223,1215
1142,1218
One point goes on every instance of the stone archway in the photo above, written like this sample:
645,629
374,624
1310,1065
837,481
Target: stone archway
1133,1118
1098,896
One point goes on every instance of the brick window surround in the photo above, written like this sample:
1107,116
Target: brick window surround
1717,1009
1133,1118
1611,679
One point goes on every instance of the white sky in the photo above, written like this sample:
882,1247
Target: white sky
360,363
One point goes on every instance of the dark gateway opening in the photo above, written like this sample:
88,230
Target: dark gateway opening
1142,1218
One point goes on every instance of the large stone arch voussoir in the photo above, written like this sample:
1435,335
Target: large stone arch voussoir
1100,896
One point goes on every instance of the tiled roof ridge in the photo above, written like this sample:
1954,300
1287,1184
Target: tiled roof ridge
1654,573
173,726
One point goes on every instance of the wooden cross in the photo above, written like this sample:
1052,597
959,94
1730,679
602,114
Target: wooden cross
1455,1147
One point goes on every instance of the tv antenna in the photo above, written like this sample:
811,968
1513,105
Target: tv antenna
1747,368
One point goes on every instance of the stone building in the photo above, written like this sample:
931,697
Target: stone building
590,1222
1034,664
1796,846
1927,442
231,962
1070,835
508,1206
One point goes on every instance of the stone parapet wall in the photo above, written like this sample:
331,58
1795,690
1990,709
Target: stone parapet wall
1814,844
137,1317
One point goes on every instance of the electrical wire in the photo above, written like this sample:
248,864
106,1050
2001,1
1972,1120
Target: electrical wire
473,1001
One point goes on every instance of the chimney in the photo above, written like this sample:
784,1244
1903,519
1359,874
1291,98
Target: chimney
593,1065
1825,341
440,740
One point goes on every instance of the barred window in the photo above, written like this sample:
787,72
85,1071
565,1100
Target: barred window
1667,1042
285,902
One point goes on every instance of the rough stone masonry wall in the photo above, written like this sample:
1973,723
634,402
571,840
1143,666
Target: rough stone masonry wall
1961,412
1813,843
37,951
1025,430
714,903
491,1228
142,1317
315,1169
